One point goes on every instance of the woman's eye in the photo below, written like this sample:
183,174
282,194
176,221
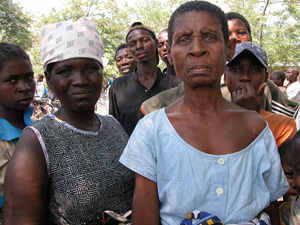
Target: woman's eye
183,40
64,72
210,37
91,68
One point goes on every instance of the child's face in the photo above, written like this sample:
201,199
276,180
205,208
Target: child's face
245,69
288,171
238,30
17,85
296,164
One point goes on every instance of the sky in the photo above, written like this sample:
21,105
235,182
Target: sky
45,6
40,6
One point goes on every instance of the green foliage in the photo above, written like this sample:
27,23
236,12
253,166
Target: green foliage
14,24
275,26
156,14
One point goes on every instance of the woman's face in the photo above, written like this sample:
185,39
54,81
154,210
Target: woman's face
198,50
288,171
77,83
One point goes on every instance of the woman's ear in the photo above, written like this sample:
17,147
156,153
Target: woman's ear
170,59
48,80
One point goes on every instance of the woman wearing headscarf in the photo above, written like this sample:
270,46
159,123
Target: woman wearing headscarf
65,169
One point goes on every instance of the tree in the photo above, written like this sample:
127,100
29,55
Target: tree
14,24
274,24
275,27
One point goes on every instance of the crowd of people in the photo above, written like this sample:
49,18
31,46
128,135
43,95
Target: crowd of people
210,139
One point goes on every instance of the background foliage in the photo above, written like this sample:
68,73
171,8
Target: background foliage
275,24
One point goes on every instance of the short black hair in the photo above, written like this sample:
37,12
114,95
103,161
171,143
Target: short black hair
279,74
9,51
285,149
121,46
235,15
199,6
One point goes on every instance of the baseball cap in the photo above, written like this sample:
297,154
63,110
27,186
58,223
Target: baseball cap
257,51
139,25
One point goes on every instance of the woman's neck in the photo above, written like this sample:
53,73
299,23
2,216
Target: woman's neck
83,120
200,101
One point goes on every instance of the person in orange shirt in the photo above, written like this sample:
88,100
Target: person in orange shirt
246,76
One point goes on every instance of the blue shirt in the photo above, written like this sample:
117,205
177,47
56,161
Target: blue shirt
234,187
10,133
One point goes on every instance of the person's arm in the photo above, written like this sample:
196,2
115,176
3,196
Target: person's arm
26,183
145,204
272,211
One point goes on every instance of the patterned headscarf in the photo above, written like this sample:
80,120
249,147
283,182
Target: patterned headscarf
67,39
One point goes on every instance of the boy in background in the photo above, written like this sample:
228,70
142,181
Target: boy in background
246,77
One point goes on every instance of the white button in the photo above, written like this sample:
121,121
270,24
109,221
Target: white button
219,191
221,161
146,90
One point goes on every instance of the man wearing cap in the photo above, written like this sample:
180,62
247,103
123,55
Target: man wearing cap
246,76
127,93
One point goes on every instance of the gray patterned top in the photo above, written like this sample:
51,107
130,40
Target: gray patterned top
84,170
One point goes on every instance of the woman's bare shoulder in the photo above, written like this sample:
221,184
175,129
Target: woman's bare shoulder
252,120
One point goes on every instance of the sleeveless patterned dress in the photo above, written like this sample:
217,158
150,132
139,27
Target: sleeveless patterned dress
84,171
